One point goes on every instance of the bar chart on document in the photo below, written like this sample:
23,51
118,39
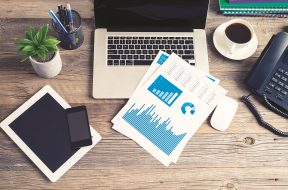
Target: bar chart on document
158,129
151,122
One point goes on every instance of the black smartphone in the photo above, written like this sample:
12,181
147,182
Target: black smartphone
79,127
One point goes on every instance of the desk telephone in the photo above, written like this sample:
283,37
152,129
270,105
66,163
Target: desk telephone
269,80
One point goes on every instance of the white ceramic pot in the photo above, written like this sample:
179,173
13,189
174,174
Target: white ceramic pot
48,69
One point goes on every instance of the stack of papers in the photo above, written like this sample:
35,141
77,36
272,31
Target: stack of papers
170,103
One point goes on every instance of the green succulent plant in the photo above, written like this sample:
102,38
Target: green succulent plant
37,44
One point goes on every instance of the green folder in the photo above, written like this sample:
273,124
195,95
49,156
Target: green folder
270,6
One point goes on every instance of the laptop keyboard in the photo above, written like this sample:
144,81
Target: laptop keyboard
128,50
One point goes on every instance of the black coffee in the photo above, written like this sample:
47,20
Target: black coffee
238,33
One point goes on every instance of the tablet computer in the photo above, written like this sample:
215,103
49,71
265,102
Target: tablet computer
39,128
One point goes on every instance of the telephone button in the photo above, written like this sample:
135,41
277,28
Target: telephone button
281,70
268,91
279,97
274,80
271,84
278,88
284,92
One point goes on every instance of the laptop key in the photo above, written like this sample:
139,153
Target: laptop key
142,57
116,41
120,51
188,42
110,41
129,62
188,52
116,62
125,46
138,51
150,51
126,51
131,46
137,46
134,41
113,56
129,56
145,51
189,57
123,56
110,62
161,47
146,41
143,46
122,62
112,51
111,46
155,46
149,46
119,46
142,62
136,56
148,57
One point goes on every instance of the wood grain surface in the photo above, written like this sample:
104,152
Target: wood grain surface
246,156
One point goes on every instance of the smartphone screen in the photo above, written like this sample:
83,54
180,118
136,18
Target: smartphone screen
78,125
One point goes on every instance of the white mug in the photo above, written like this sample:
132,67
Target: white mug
233,46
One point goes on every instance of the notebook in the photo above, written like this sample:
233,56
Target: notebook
264,6
39,127
255,1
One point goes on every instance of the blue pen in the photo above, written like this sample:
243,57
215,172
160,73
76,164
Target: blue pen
57,21
69,17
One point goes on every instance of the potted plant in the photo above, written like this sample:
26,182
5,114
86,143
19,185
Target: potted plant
42,51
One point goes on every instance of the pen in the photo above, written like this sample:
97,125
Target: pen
69,17
60,11
57,21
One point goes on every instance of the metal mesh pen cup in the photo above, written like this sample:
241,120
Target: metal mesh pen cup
74,38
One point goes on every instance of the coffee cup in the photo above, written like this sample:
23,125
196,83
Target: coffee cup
238,34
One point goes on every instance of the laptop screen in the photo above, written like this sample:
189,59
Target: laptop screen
151,15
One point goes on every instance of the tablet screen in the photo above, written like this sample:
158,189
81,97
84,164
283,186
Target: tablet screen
43,127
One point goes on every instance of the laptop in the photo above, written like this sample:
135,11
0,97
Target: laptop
130,33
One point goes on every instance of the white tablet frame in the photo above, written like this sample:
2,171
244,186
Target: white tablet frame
52,176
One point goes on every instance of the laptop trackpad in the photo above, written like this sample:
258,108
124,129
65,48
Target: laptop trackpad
121,82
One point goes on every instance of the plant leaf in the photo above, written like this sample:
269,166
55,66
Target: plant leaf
30,33
51,42
41,34
41,54
27,49
23,42
52,49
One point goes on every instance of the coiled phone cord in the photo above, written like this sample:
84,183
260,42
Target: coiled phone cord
260,119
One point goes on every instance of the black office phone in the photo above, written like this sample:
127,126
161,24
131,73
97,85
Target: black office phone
269,80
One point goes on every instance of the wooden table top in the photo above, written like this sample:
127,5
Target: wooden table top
246,156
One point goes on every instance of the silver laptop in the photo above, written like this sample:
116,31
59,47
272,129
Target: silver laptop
130,33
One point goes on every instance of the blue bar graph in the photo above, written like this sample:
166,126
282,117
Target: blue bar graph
146,121
165,90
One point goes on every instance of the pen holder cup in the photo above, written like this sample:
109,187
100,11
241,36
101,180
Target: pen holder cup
74,38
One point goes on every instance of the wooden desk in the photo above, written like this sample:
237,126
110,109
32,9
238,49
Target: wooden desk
245,156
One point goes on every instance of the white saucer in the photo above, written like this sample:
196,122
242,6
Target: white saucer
221,46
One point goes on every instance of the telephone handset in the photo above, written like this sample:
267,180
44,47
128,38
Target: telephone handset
269,80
